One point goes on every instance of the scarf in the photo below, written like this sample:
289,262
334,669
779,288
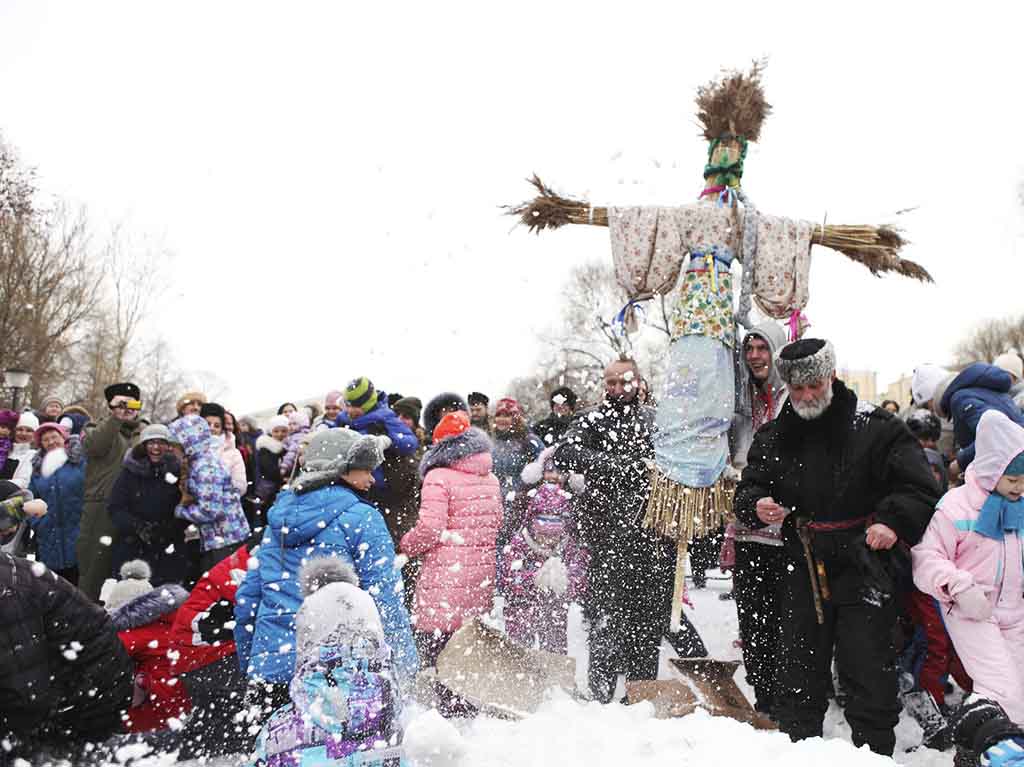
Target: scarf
998,516
52,461
763,406
5,448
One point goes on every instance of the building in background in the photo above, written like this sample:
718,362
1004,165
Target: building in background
863,383
899,391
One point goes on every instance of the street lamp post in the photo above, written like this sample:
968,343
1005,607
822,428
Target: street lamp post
15,379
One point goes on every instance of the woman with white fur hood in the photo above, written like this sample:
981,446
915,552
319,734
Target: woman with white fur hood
345,704
322,513
58,477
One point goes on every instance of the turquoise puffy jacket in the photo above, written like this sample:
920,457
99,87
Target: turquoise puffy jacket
329,521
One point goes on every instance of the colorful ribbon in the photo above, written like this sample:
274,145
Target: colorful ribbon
619,321
723,256
726,194
797,322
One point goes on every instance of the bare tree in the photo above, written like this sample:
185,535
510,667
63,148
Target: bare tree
990,339
48,286
587,338
134,284
73,315
209,383
160,378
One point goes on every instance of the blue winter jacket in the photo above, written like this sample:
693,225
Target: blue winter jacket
978,387
329,521
64,493
382,420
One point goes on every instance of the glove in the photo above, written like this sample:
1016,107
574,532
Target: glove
974,603
552,576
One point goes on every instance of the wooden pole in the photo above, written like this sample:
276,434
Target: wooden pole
679,589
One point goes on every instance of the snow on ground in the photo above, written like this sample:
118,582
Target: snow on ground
567,733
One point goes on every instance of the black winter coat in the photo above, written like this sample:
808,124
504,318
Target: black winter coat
854,461
607,444
629,586
141,507
551,429
64,674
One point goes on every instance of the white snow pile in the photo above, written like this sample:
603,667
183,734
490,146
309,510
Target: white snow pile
565,733
433,741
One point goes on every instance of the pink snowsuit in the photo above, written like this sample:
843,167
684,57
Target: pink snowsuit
531,612
460,513
951,558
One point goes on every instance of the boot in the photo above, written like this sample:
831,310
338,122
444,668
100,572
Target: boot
922,707
984,734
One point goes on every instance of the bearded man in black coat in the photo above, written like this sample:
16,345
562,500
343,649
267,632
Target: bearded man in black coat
631,569
852,489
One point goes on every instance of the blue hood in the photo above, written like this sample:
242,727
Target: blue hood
295,520
192,433
978,375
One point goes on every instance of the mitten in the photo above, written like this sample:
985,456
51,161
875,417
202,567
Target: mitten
552,576
974,603
36,507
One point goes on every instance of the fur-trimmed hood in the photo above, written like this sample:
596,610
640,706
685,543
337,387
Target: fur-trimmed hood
266,442
143,467
192,433
148,607
453,449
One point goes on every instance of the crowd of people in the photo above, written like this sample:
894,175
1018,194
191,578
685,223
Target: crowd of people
218,585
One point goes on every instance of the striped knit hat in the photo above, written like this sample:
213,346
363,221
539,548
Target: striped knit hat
360,393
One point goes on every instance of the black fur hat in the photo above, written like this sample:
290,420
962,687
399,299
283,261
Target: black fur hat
445,401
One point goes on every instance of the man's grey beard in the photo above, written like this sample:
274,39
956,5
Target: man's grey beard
811,410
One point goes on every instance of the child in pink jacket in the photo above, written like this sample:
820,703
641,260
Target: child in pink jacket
460,513
971,560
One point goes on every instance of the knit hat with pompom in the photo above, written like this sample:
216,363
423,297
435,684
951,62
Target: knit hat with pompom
335,612
134,583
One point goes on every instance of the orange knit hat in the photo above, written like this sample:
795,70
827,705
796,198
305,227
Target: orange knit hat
452,425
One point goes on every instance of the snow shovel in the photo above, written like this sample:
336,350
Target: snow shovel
712,684
671,698
498,676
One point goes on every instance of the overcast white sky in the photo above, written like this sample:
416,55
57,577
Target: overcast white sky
333,171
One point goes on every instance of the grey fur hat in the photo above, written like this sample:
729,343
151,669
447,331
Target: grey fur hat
333,452
806,361
320,571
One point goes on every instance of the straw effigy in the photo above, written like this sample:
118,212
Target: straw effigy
731,110
875,247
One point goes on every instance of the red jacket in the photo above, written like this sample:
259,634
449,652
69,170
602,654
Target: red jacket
202,628
144,628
